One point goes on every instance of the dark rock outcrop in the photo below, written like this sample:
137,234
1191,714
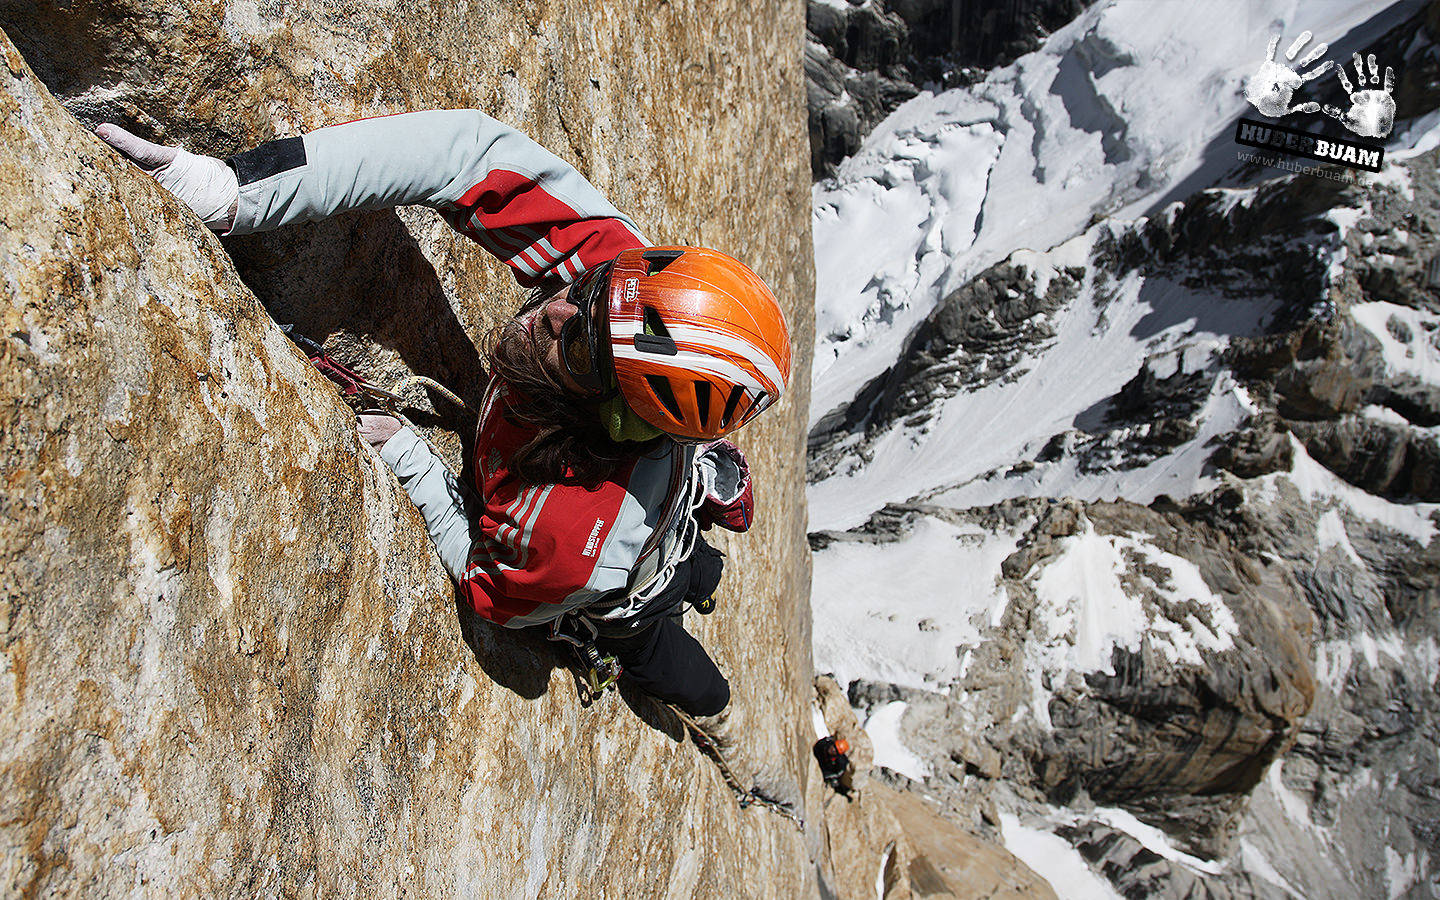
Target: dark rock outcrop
1386,458
975,336
1320,374
1261,448
1156,733
1180,736
863,59
1147,418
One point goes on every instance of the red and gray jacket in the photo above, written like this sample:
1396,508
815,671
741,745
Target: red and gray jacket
491,183
523,554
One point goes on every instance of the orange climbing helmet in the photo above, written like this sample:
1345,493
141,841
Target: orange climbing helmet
698,341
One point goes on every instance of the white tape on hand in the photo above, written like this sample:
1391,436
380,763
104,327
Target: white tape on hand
203,183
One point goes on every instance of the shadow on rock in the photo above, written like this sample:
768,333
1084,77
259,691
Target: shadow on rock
518,660
363,276
521,660
652,712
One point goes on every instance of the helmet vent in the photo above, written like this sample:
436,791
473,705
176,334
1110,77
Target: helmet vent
733,401
659,259
654,324
661,387
656,338
702,400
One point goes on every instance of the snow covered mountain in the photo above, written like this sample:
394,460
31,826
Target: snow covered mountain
1124,460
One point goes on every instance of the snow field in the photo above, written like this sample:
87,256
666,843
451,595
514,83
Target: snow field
870,623
1153,839
1330,532
885,239
1063,866
817,721
1102,339
1055,860
1316,483
1089,602
1179,473
883,726
1407,337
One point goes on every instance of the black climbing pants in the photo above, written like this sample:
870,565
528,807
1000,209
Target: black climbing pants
664,660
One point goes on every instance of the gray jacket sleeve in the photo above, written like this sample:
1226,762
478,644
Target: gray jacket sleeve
490,182
437,493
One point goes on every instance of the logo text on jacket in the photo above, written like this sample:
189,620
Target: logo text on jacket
593,543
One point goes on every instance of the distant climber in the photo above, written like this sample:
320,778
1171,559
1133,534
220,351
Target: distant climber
599,454
832,753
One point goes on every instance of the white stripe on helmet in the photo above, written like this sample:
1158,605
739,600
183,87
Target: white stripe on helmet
701,364
699,361
747,350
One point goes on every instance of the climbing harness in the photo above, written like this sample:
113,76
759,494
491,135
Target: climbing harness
598,671
355,389
747,797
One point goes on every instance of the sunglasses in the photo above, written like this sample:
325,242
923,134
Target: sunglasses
581,345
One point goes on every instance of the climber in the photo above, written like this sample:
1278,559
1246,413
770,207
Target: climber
599,452
832,754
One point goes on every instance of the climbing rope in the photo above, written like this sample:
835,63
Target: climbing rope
430,383
747,797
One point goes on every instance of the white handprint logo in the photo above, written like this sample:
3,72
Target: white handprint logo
1273,85
1372,112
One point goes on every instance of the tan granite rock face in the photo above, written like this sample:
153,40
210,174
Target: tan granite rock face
945,860
229,662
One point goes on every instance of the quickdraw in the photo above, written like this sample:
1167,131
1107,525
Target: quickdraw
355,389
597,671
746,797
